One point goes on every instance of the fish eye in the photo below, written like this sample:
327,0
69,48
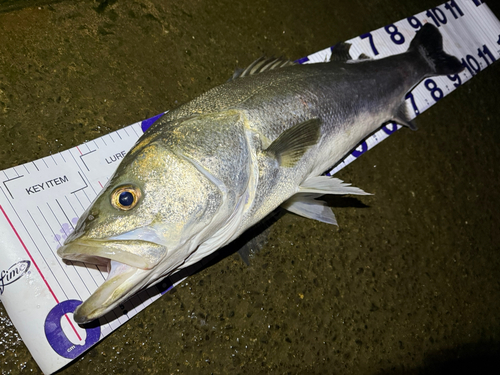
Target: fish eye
125,197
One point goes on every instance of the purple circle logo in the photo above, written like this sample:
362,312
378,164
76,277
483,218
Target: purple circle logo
57,337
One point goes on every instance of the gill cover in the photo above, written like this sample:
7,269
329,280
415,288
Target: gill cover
175,190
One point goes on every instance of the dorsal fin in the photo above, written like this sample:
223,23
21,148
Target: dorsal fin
262,64
340,52
403,117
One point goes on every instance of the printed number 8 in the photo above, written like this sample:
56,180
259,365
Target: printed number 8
396,36
435,91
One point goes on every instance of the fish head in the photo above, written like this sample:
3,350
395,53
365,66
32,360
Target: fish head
150,216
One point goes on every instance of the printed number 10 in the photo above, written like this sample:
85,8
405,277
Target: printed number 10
472,65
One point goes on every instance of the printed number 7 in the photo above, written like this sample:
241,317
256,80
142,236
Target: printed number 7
370,38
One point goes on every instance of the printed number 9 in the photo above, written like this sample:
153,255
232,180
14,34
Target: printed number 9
414,22
435,91
396,36
456,79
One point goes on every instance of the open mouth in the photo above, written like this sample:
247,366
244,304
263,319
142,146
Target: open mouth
127,272
135,253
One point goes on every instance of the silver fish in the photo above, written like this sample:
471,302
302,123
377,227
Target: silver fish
210,169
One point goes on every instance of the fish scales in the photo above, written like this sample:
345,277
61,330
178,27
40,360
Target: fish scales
339,94
210,169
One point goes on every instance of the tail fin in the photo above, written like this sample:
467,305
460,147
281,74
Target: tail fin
428,43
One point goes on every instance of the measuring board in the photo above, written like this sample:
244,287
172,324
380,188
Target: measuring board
40,201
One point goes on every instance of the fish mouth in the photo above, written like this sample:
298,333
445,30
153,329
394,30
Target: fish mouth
128,271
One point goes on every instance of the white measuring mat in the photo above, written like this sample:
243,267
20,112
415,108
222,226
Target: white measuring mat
40,202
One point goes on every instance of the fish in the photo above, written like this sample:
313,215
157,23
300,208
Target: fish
215,166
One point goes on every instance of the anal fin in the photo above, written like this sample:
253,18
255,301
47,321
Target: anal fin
305,205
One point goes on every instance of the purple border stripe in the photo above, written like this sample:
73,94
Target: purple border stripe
302,60
145,124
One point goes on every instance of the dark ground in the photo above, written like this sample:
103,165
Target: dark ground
409,282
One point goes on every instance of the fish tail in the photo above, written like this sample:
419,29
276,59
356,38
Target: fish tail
428,43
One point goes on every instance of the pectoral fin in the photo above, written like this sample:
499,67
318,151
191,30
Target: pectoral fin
289,147
329,185
305,205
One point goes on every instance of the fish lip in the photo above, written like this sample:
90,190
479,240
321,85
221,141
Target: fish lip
100,252
119,286
110,294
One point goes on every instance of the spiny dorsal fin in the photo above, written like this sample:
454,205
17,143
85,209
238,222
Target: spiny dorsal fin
262,64
294,142
340,52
